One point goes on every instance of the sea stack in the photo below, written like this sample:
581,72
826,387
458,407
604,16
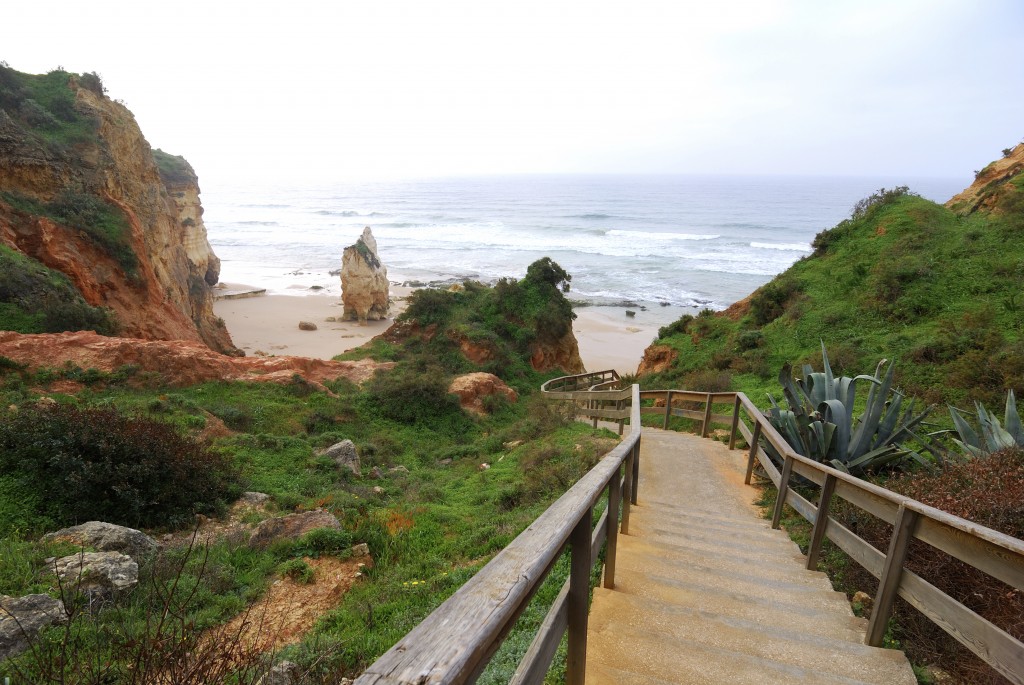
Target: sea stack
364,281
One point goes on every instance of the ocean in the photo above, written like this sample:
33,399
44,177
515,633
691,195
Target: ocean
661,245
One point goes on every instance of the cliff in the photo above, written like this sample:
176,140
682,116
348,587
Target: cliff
82,194
937,288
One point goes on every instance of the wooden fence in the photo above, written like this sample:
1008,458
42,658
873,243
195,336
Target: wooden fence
455,642
998,555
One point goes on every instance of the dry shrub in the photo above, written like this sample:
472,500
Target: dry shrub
989,491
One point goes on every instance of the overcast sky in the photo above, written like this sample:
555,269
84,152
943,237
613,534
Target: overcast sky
293,90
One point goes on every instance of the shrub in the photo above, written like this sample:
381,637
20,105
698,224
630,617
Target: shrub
677,327
411,396
769,301
298,570
323,541
429,306
87,464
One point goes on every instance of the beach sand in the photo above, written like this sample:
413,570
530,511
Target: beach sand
269,325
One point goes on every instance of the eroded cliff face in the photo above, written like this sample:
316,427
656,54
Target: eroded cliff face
167,294
991,184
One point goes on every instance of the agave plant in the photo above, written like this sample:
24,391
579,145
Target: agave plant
820,423
994,437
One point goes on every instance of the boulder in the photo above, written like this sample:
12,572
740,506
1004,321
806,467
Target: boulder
284,673
107,537
21,619
361,550
98,574
344,455
291,526
307,326
254,499
474,388
364,281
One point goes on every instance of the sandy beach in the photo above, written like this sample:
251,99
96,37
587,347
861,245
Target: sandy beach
269,325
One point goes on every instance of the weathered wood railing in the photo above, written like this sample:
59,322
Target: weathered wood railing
596,395
998,555
455,642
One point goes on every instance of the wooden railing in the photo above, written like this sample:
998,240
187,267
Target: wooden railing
596,395
998,555
455,642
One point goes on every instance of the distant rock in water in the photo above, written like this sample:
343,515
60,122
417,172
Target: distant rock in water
364,281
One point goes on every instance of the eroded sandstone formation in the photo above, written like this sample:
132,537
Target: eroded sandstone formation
364,281
167,294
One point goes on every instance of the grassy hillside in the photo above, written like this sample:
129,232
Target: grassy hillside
429,509
903,278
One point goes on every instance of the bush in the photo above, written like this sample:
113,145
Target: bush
769,301
87,464
411,396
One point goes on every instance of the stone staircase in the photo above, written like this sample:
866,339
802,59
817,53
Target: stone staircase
706,592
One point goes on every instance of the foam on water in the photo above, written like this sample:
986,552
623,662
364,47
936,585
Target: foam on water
689,241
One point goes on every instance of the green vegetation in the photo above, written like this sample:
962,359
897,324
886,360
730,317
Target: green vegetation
104,224
820,421
44,107
174,169
35,299
903,278
69,465
429,510
993,436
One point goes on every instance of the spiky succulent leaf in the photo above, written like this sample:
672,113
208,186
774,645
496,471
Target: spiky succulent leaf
968,438
1012,419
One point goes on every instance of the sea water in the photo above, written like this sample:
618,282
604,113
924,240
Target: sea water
662,245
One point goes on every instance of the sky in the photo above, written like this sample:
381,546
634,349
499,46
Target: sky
299,91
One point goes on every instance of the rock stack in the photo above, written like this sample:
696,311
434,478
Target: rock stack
364,281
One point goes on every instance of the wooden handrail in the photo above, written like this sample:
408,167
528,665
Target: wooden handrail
1000,556
455,642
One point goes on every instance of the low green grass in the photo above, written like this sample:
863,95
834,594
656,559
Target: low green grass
44,105
429,510
905,279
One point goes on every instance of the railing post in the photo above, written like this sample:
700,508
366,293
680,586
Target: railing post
668,409
735,422
636,471
787,469
579,592
820,521
627,492
707,417
612,528
622,421
888,585
754,439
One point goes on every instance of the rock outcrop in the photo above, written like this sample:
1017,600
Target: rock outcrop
657,358
21,619
344,455
473,389
563,353
291,526
108,537
174,362
98,574
990,184
154,269
364,281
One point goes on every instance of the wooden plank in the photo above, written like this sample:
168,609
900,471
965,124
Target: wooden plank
599,536
627,492
746,432
634,491
820,519
754,447
579,594
536,663
769,466
705,425
880,507
787,469
802,505
734,427
860,551
723,419
808,471
605,413
1002,651
892,571
688,414
1000,556
611,528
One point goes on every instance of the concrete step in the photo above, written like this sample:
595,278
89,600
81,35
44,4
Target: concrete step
832,627
657,658
661,532
751,554
642,556
819,613
754,528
